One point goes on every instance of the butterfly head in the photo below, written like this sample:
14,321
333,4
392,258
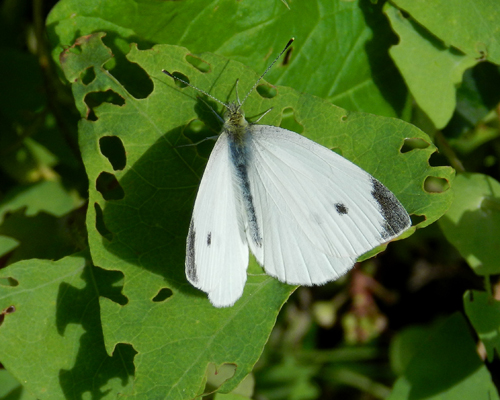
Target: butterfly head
234,118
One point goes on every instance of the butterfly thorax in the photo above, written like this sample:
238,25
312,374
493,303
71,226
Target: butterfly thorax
235,123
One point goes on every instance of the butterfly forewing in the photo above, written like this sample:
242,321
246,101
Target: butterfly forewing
317,211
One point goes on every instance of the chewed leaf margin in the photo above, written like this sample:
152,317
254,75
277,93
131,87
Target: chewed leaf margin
140,229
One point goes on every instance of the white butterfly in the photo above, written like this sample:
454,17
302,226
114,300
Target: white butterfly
305,212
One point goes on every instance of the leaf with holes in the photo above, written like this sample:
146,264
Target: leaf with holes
142,192
340,52
51,312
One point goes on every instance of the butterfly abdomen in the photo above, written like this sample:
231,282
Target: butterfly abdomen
239,154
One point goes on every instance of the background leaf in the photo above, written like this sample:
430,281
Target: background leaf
470,27
438,371
431,69
484,315
352,69
476,208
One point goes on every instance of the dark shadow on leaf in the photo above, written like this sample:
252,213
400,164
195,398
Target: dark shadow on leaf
438,366
288,121
149,226
93,367
14,394
198,63
100,225
384,72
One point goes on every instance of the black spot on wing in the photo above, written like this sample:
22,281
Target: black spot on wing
209,238
341,208
396,219
190,254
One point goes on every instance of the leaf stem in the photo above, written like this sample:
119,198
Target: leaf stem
448,152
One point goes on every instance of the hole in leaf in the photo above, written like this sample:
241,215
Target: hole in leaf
198,63
88,76
216,376
433,184
343,118
8,310
124,355
180,76
99,223
109,187
413,144
111,285
95,99
196,130
437,160
75,49
162,295
133,78
289,122
112,148
417,219
287,57
10,282
267,91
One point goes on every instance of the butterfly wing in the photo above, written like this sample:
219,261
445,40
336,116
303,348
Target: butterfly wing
318,212
216,249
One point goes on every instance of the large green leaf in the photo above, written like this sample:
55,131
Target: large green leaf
11,389
52,340
340,52
472,224
141,229
48,196
484,315
470,26
445,367
431,69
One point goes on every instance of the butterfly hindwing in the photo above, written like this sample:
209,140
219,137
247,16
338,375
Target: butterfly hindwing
217,250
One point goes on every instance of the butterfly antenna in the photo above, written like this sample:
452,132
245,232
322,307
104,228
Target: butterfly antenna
194,87
267,69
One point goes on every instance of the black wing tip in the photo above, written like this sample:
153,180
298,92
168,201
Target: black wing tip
396,218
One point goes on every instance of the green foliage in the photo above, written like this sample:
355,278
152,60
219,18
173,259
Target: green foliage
94,175
438,371
476,209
